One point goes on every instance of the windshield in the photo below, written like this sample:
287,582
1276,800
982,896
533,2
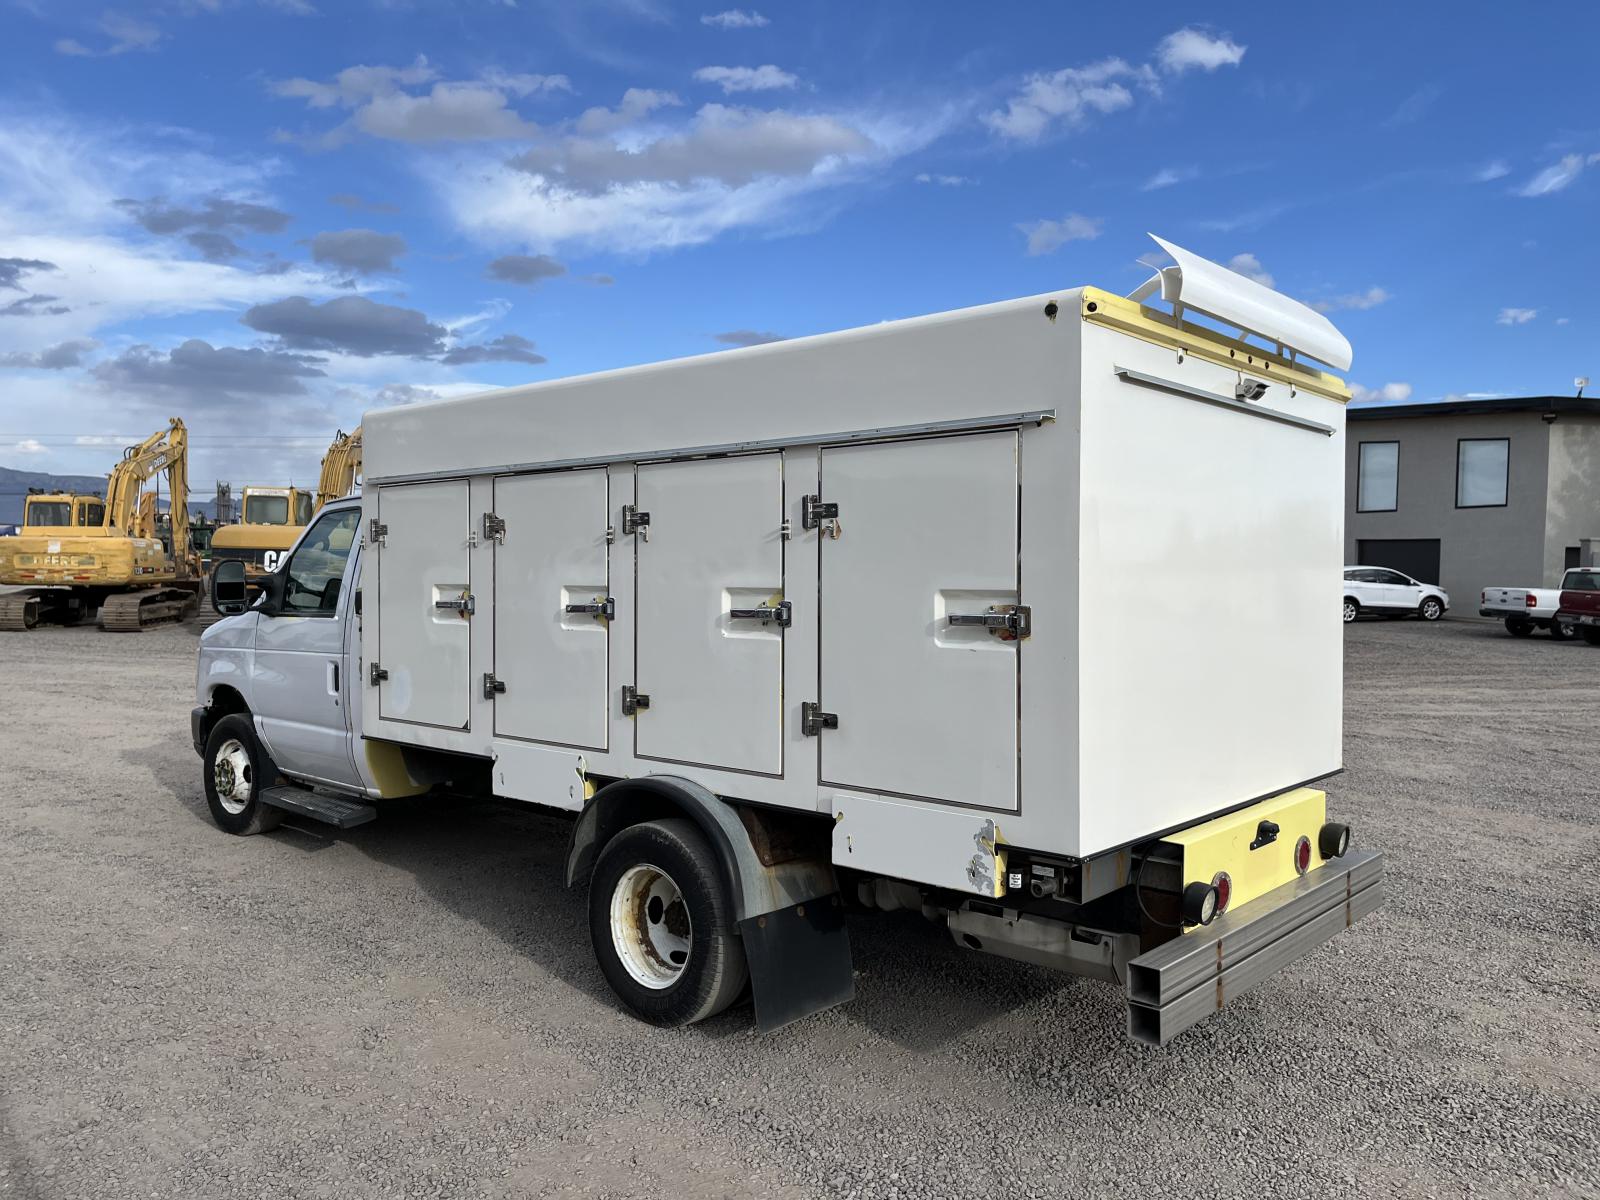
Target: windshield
51,512
266,510
1582,581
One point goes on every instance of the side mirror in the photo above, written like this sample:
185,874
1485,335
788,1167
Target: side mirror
229,595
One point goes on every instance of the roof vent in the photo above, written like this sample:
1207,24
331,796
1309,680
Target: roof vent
1229,297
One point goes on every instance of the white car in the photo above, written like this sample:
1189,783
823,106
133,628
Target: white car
1388,593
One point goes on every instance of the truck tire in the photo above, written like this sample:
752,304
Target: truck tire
236,770
1519,626
1591,634
1561,633
1352,610
662,924
1431,609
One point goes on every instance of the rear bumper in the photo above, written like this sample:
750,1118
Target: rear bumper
1179,983
1520,614
1579,618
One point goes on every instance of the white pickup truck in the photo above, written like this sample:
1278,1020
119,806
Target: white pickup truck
1526,609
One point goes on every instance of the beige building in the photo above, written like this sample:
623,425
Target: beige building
1473,493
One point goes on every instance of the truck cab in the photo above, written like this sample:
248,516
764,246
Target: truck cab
1579,609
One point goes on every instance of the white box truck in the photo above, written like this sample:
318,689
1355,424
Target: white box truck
939,614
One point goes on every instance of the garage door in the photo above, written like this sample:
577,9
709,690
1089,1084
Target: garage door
1416,557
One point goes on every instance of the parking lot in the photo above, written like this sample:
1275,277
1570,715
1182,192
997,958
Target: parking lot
411,1008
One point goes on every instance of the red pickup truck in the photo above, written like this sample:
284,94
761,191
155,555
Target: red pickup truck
1580,604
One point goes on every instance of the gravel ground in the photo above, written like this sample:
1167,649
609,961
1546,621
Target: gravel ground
411,1009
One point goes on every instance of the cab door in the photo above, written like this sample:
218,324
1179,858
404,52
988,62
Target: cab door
300,675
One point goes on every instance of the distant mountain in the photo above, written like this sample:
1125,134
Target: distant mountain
14,487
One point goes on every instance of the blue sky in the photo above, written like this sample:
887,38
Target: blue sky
269,215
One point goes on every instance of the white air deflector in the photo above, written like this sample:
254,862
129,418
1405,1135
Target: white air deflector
1197,283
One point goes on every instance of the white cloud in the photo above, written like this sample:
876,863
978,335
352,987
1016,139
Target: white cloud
747,79
1250,267
1370,298
1389,393
1069,97
1558,176
945,180
1415,106
124,33
735,18
1516,316
1045,237
1188,49
29,446
1563,320
1168,176
1489,172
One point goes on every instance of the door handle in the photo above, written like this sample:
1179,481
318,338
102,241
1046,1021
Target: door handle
606,608
781,613
1009,622
333,679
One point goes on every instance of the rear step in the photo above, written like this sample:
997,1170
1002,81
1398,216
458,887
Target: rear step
331,810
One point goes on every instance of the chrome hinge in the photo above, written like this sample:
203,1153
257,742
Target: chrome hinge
492,687
1008,622
784,531
633,700
634,521
376,532
606,608
494,528
466,604
814,512
611,535
376,675
813,720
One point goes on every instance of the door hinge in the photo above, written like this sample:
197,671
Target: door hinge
813,720
376,532
814,512
494,528
1008,622
634,521
466,604
633,700
606,608
492,687
376,675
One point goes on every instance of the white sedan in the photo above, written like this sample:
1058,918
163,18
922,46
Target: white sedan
1387,592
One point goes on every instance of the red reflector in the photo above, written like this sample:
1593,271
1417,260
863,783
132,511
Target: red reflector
1223,882
1302,855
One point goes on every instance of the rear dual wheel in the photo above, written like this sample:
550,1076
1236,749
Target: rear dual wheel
1519,626
662,924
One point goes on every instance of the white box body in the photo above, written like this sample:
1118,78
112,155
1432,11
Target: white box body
1179,558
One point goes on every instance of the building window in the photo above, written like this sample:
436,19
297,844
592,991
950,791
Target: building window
1481,469
1378,477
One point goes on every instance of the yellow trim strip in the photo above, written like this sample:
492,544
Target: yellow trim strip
1149,325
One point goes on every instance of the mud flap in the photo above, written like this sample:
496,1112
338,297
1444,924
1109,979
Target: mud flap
799,961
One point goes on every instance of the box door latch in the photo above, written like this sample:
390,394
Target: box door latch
466,604
606,608
376,675
634,521
633,700
493,687
1008,622
813,720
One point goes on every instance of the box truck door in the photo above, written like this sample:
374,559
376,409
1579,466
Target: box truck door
551,623
927,531
711,666
424,604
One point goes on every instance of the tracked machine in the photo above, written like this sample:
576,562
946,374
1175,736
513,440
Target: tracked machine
76,556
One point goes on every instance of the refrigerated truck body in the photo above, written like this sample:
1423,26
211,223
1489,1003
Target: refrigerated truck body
939,614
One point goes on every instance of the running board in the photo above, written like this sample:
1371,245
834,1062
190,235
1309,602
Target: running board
1195,974
330,810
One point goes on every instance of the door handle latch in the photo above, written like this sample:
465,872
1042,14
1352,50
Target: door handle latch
1008,622
466,604
606,608
781,613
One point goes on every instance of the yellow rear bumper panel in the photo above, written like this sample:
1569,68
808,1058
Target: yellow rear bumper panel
1225,844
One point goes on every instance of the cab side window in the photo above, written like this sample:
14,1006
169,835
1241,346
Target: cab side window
315,571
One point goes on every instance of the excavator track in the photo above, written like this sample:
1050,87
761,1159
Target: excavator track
129,612
19,611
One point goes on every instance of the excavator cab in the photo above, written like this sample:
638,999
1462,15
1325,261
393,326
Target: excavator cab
62,510
277,506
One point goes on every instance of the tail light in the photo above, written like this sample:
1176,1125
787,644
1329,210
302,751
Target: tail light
1333,840
1199,904
1533,601
1222,884
1302,855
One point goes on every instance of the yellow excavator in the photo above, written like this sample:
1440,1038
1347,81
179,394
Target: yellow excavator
272,519
77,555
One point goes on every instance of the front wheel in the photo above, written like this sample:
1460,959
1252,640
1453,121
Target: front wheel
1430,609
1351,610
662,924
1519,626
237,769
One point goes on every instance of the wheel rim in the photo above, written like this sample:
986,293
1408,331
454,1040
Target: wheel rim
650,926
1430,610
232,776
1349,612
